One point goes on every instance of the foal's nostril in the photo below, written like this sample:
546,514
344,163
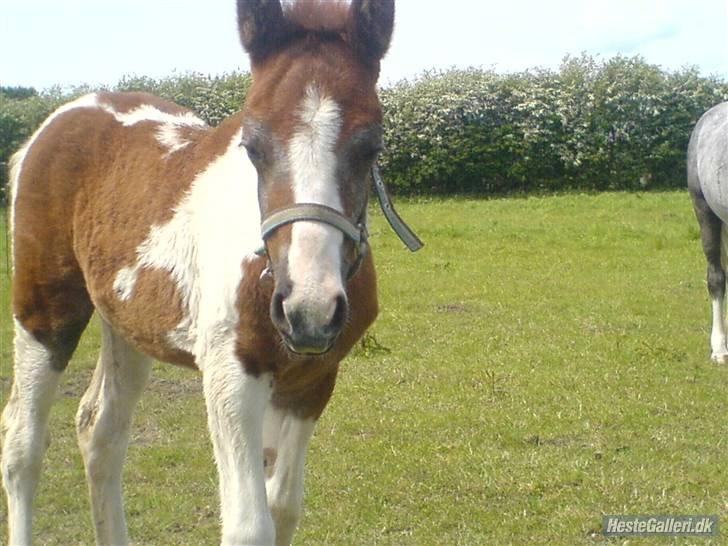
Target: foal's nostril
339,317
277,313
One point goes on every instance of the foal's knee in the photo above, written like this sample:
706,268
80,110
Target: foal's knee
85,420
85,430
286,513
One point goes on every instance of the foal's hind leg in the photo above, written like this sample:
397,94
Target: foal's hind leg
287,429
102,422
711,228
24,427
40,357
286,439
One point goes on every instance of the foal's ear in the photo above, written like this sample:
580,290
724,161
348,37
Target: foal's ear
370,27
262,27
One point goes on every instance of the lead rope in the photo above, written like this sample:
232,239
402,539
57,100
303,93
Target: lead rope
403,231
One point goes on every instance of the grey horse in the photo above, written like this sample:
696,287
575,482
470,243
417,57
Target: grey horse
708,186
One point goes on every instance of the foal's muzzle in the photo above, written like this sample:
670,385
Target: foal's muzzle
310,322
304,332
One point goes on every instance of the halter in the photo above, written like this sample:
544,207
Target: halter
356,231
315,212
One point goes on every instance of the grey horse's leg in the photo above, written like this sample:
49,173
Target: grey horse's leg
710,232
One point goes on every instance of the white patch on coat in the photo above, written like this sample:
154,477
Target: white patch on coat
168,132
314,257
124,282
16,160
147,112
168,135
214,229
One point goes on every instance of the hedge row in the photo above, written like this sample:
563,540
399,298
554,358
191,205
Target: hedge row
619,124
22,110
615,124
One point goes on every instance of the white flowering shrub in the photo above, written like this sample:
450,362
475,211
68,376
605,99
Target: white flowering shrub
614,124
212,97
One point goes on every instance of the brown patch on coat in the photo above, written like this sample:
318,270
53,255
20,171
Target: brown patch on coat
85,183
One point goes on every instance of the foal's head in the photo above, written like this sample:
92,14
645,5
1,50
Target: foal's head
312,128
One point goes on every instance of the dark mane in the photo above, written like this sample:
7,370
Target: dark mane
318,15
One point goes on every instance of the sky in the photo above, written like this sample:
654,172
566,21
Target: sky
71,42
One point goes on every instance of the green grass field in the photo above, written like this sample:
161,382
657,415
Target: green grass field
543,361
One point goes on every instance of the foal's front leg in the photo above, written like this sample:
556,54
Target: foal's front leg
236,404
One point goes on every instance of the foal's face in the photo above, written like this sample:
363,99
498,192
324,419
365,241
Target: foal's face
313,130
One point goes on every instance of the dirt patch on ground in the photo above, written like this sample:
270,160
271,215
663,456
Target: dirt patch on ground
454,308
174,388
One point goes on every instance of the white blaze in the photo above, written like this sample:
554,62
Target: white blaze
314,258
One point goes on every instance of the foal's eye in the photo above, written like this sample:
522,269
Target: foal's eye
253,149
254,153
371,152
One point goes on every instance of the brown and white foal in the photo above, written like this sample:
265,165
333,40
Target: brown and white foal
132,206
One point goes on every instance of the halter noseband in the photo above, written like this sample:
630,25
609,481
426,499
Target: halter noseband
318,213
357,232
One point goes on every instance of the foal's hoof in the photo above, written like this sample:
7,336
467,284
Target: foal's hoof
719,358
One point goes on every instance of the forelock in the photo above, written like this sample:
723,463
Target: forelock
318,15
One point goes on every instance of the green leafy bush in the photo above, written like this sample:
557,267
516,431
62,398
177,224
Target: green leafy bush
20,115
212,97
617,124
620,123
